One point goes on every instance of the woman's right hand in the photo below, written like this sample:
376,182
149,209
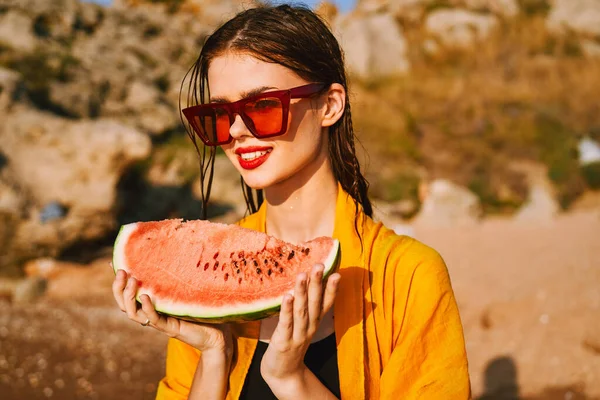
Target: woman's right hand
210,339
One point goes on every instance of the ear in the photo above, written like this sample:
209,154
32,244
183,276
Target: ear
334,104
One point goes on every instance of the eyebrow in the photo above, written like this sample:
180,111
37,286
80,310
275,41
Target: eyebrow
247,94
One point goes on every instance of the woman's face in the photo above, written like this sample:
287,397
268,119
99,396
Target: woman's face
264,163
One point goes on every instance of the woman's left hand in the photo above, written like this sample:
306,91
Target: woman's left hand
299,319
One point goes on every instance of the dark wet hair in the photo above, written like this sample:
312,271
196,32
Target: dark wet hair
296,38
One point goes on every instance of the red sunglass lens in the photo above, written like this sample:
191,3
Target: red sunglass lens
212,125
266,115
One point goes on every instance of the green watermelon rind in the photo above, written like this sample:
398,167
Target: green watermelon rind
331,264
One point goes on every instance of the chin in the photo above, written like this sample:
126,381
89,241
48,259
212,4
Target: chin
257,182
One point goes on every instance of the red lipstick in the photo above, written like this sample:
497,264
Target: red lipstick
255,162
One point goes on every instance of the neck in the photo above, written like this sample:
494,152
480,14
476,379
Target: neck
303,208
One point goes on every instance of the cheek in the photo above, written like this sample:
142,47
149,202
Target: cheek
228,150
306,125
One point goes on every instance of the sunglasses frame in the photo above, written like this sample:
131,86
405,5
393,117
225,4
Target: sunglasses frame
237,107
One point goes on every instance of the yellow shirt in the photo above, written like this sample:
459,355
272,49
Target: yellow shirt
397,325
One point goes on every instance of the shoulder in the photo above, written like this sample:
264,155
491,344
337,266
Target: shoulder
386,244
403,259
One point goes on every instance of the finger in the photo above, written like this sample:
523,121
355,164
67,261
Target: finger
118,286
300,308
315,298
156,320
285,326
330,293
131,307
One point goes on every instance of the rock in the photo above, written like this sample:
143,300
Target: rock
73,98
503,8
11,206
447,204
28,290
45,268
22,291
74,164
56,23
590,47
370,6
151,114
541,205
374,44
16,31
226,189
459,28
396,211
178,169
415,10
51,211
10,85
141,96
579,16
589,151
69,281
215,12
410,10
10,201
327,11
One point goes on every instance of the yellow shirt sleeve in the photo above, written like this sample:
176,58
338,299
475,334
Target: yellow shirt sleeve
428,360
182,361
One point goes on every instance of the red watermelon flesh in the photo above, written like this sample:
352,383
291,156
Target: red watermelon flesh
215,272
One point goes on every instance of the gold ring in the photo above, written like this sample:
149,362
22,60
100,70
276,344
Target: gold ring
146,323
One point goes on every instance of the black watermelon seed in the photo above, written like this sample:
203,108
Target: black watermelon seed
258,270
266,261
216,255
226,277
216,266
255,263
244,262
237,271
306,251
205,266
269,272
276,264
280,269
291,255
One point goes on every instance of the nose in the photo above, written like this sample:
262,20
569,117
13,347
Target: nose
238,129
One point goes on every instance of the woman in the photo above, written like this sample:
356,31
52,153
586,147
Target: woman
278,106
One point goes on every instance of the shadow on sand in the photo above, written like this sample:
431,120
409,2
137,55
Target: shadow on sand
501,383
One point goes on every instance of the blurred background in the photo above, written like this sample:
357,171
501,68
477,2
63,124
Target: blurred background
479,123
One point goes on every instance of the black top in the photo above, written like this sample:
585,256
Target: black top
321,359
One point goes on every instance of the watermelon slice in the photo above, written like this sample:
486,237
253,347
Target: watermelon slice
211,272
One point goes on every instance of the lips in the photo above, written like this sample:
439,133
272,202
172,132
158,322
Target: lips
252,157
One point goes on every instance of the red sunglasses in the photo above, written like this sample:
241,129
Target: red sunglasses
265,115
